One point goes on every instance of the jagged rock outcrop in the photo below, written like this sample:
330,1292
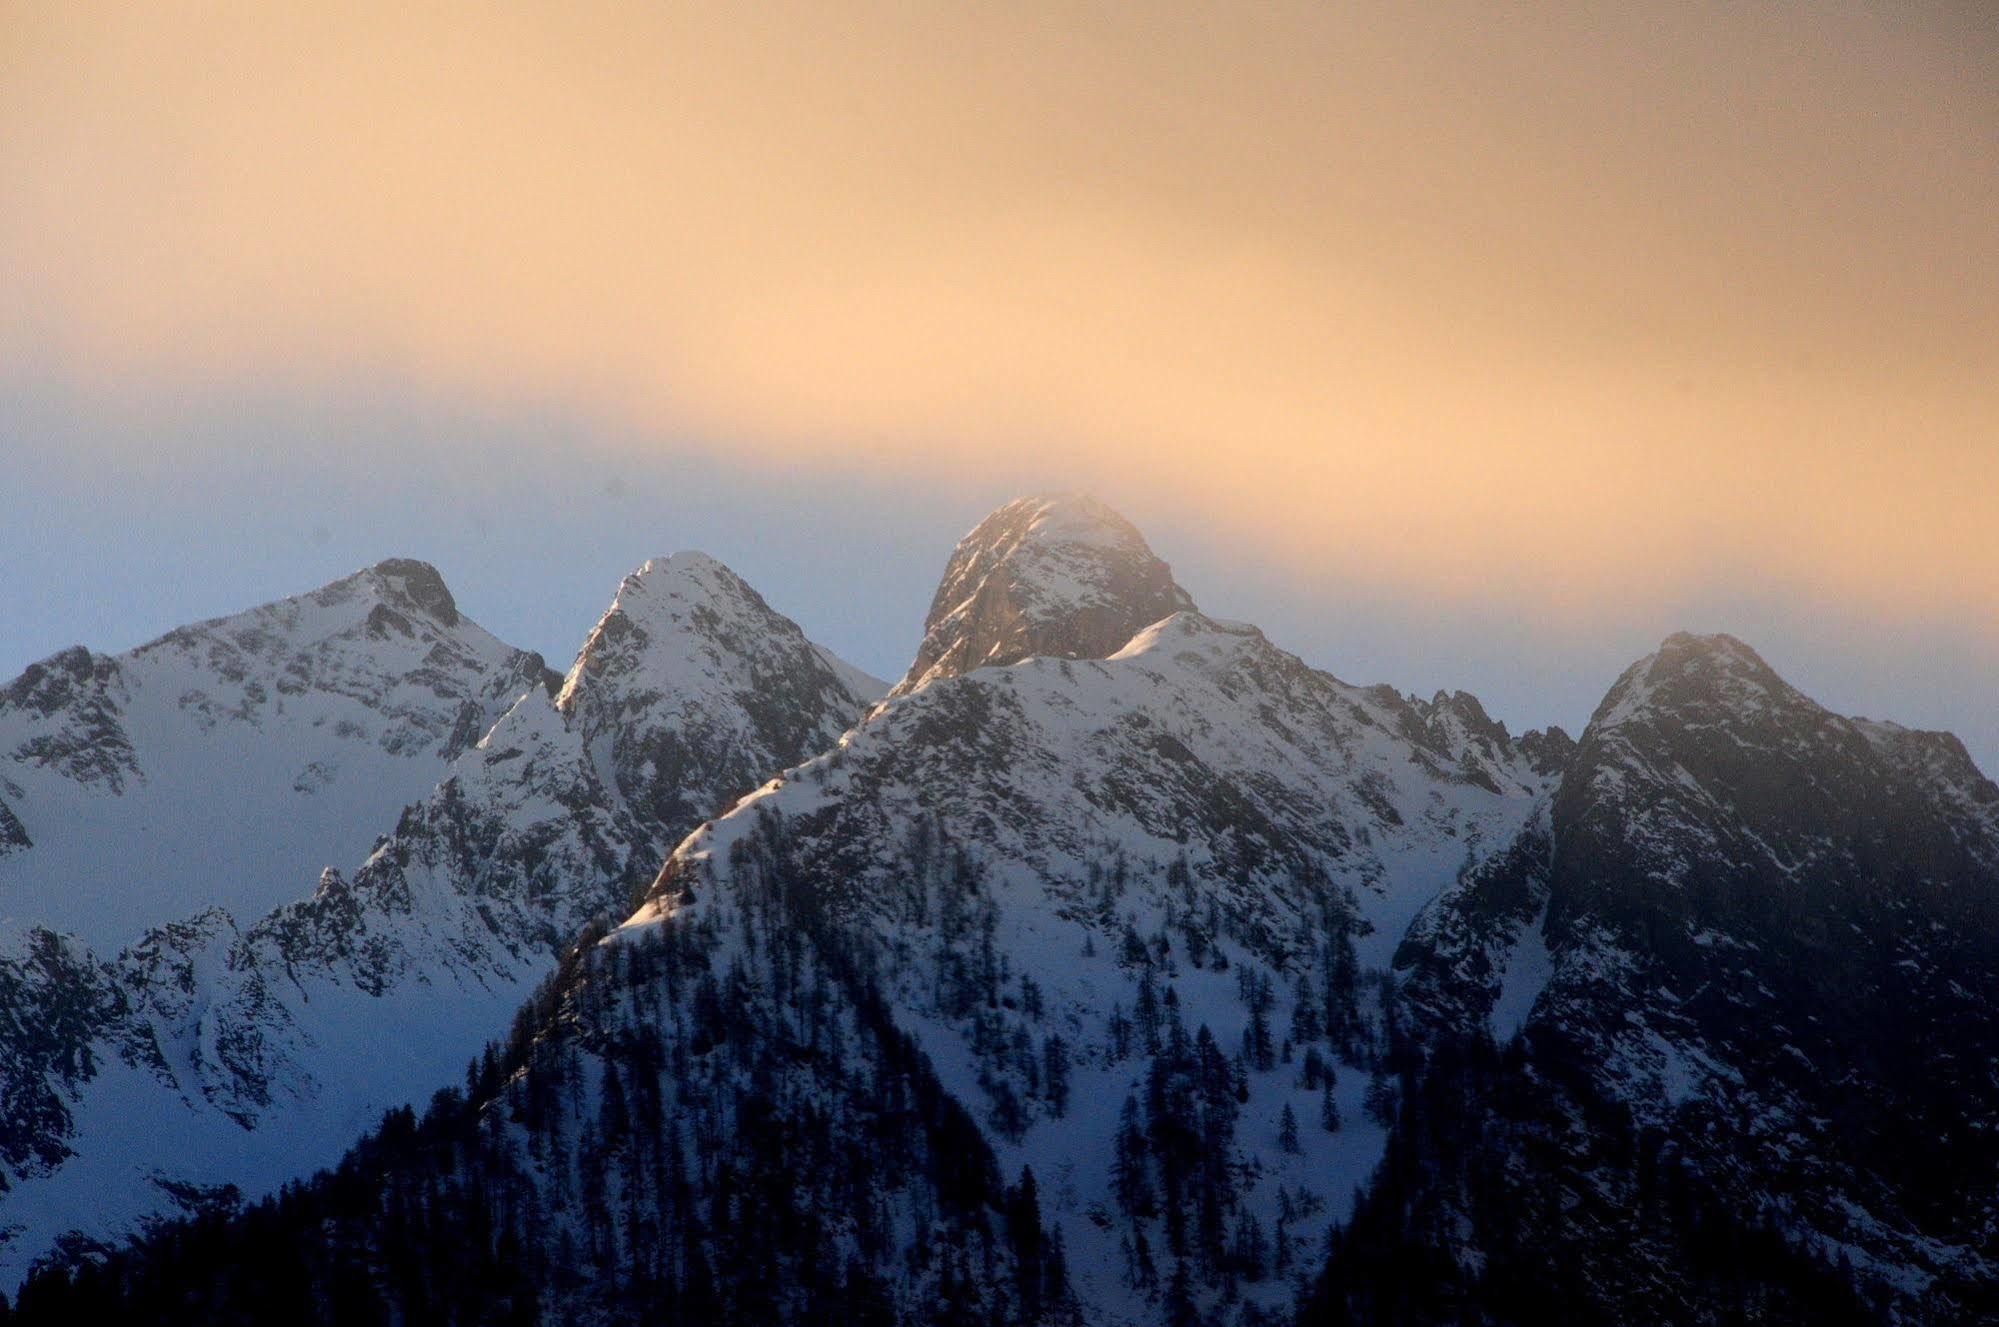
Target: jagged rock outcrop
1055,577
13,834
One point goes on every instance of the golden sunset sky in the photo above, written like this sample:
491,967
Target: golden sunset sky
1566,308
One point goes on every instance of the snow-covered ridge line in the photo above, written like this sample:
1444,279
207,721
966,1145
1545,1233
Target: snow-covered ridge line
256,1049
1197,810
1096,967
220,761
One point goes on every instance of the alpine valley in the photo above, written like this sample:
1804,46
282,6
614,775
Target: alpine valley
1113,967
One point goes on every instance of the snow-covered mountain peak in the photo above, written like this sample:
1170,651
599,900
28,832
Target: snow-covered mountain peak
1196,814
1766,929
1689,655
386,597
1699,725
205,766
689,624
1198,739
691,688
689,571
347,968
1062,576
1703,743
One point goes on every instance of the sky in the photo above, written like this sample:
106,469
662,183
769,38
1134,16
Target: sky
1457,345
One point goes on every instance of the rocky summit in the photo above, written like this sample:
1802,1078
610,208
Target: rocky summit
1055,577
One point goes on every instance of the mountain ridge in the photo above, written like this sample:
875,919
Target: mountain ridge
215,761
1759,939
1163,980
233,1036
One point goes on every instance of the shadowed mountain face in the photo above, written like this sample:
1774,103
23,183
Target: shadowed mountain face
1751,959
1115,968
1708,792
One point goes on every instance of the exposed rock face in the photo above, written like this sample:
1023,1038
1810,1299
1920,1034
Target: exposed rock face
66,712
419,585
13,834
1057,578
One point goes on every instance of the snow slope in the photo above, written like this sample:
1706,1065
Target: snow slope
1035,846
209,1054
217,764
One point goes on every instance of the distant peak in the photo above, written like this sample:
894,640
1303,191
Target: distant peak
683,576
1713,674
686,565
1059,575
1060,520
693,560
418,584
1686,657
683,597
1689,646
1063,517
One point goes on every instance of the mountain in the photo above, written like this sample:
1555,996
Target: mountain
211,1057
1136,911
1167,980
1745,970
687,693
1053,987
210,766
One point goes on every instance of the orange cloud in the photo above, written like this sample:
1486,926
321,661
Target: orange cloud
1576,304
